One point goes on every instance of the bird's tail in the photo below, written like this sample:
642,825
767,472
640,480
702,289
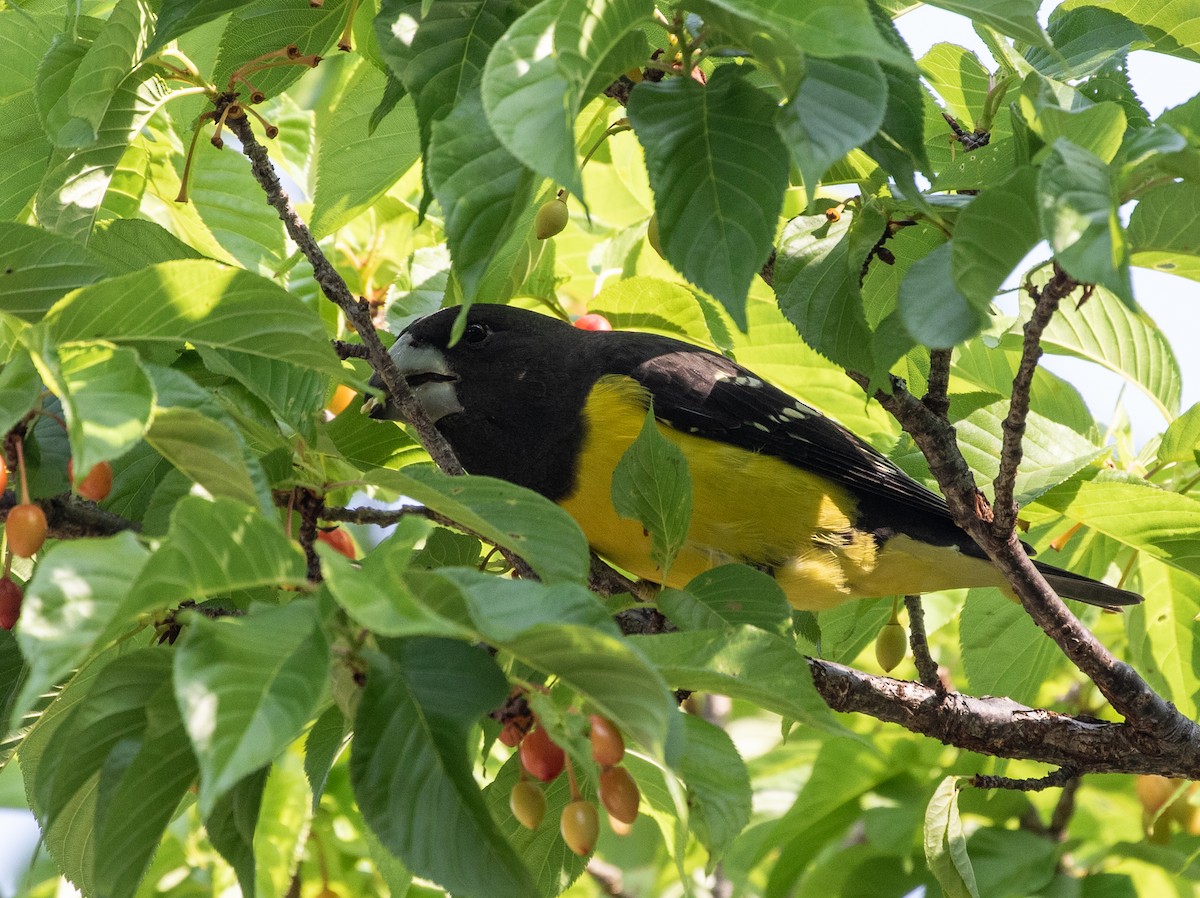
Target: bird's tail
1085,589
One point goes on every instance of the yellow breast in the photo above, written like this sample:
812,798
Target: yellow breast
751,508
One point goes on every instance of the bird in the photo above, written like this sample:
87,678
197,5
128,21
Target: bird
777,485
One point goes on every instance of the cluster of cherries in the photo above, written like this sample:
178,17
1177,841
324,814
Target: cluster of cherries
25,526
579,824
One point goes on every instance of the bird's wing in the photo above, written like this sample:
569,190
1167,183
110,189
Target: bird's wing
706,394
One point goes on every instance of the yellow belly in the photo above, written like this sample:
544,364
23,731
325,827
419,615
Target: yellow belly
752,508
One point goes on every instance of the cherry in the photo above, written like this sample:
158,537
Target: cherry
3,474
341,398
540,756
339,540
580,826
96,485
890,645
10,603
619,794
528,804
593,322
26,528
551,218
608,748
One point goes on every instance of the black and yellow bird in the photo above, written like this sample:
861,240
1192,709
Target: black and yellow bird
775,484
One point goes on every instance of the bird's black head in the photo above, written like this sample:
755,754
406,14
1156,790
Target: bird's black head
506,394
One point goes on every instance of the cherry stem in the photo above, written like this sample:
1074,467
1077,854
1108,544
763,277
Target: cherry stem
20,445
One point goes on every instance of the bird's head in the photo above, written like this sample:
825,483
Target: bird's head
496,391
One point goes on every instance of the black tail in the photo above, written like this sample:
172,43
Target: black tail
1085,589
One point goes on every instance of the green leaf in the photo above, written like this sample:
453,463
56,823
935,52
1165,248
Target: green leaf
502,513
355,164
201,303
1085,40
502,609
540,73
112,775
25,40
204,450
931,306
131,244
651,484
421,700
717,783
1163,525
106,399
1003,650
1163,229
1161,632
994,233
231,825
1119,337
1016,18
839,106
1099,128
177,17
1079,217
731,594
946,844
816,280
718,169
654,306
782,32
213,548
481,187
958,77
72,601
247,686
20,388
438,50
742,662
295,394
325,740
899,146
850,627
611,675
39,268
1170,28
108,61
74,187
1181,438
256,29
375,592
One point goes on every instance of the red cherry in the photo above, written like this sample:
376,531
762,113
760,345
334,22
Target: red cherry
540,756
608,748
10,603
26,528
98,483
3,474
619,794
593,322
339,540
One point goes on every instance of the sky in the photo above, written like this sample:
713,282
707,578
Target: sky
1173,302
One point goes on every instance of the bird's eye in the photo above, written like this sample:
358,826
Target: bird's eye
475,333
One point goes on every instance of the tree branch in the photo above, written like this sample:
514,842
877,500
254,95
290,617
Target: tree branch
357,312
927,669
1002,727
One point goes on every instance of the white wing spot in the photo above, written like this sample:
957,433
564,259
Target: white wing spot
795,414
744,381
761,426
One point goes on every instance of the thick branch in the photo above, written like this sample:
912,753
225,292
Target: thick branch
1002,727
357,313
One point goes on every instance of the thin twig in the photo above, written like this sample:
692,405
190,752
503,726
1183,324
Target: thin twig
927,669
1064,810
1046,303
357,312
1054,779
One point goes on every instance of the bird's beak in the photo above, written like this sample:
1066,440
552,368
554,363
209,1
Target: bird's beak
426,370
